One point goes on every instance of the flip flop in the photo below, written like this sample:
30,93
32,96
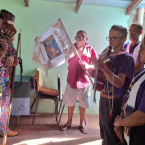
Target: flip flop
83,130
65,127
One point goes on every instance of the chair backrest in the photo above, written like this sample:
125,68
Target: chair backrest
59,87
39,79
34,85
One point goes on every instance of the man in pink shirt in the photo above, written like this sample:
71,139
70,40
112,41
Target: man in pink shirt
78,83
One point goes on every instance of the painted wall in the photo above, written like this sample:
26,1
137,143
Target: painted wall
35,19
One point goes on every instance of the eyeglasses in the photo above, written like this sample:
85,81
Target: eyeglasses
133,32
113,38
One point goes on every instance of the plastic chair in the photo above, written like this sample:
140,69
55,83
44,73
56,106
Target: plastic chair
41,92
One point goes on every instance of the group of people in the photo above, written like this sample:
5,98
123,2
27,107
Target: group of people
122,99
125,81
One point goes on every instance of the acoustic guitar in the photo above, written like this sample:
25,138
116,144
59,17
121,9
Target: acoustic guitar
100,77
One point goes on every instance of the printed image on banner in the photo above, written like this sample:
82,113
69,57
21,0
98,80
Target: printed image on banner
53,47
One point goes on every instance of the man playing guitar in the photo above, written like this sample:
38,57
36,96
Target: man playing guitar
118,77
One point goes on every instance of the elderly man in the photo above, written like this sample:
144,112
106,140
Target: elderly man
118,77
133,47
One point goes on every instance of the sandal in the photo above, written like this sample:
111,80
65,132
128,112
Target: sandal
83,130
65,127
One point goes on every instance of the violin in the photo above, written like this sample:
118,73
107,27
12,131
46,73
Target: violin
7,31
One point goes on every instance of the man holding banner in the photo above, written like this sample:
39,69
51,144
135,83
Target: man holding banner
78,83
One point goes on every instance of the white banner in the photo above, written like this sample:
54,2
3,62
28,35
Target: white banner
53,47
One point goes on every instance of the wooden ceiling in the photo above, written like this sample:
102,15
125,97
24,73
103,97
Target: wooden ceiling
26,3
129,9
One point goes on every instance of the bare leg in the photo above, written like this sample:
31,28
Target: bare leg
82,116
82,122
70,116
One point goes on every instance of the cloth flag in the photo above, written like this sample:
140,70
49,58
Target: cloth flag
53,47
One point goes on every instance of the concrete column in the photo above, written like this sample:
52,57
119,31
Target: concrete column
140,18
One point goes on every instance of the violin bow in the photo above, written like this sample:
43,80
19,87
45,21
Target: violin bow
12,89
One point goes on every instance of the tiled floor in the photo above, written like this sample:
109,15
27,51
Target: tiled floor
45,131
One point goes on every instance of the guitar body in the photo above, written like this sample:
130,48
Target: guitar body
100,78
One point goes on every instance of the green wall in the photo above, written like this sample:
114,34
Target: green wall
41,14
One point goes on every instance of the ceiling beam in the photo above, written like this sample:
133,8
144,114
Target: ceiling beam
78,5
132,6
26,3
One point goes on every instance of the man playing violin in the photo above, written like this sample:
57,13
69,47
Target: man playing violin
7,60
118,77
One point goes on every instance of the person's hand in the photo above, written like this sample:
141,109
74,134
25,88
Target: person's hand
3,47
101,65
9,61
119,129
16,62
37,39
94,61
85,66
117,119
119,133
92,73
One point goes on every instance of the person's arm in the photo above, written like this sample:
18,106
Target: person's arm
86,66
135,119
16,62
119,129
116,80
3,47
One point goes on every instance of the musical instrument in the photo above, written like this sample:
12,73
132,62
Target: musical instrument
7,30
100,77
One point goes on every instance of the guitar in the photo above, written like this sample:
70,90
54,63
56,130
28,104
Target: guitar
100,77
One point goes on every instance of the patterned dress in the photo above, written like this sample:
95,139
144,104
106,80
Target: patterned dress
5,81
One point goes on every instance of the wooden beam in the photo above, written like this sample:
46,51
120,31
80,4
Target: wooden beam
78,5
26,3
132,6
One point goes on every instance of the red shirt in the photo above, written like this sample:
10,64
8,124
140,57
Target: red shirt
77,77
